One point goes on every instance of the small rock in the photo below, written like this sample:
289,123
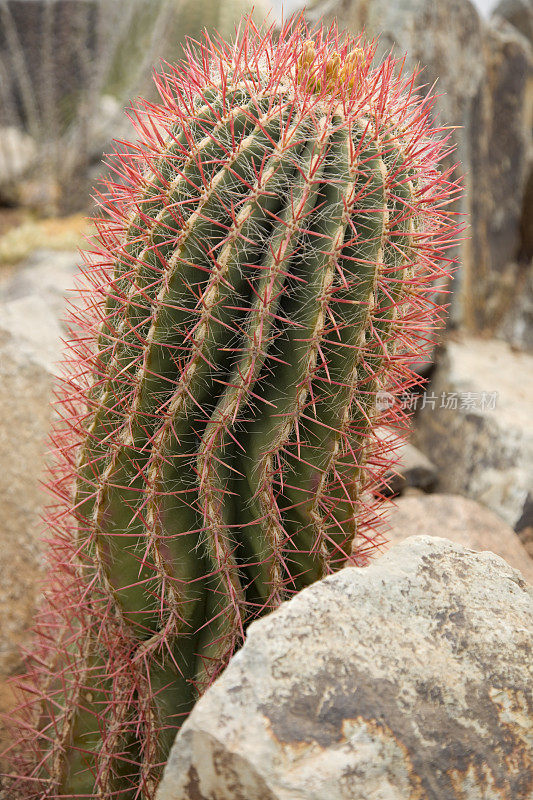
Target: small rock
405,679
461,520
412,470
478,427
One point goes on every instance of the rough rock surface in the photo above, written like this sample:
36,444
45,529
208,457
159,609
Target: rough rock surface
404,680
483,452
484,71
461,520
30,307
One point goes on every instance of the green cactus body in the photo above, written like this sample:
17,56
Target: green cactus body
222,418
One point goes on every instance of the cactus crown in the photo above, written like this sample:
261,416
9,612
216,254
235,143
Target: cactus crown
264,269
336,75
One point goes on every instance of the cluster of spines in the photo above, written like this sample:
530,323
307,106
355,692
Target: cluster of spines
264,268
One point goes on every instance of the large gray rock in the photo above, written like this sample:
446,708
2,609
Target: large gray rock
461,520
477,425
484,70
405,679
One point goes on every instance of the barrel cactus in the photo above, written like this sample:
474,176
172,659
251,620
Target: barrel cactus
263,274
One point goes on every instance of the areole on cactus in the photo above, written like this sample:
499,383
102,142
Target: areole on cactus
264,269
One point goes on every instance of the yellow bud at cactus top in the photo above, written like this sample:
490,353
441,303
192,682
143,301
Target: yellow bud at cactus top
332,74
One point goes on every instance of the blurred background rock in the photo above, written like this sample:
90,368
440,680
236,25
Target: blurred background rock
67,70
